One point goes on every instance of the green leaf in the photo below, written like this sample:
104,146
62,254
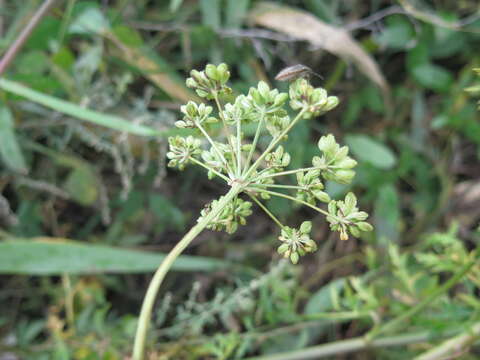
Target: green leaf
50,256
321,300
89,21
175,5
65,107
387,214
10,152
432,76
82,185
236,12
397,34
210,13
367,149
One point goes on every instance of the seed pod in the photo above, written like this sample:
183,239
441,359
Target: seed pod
294,72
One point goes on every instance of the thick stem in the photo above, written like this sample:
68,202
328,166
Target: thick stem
149,300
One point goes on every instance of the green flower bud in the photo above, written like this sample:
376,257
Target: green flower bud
182,150
211,72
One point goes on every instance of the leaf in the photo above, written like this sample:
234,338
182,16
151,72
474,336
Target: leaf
152,66
10,151
211,13
55,256
398,33
236,11
89,21
321,301
387,214
82,185
432,76
175,5
372,151
65,107
318,33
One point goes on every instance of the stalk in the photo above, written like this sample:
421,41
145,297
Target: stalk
152,291
274,143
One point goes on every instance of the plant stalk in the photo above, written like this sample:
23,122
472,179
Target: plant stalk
453,346
356,344
152,291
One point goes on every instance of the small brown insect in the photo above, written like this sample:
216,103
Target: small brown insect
294,72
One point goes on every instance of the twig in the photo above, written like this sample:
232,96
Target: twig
24,35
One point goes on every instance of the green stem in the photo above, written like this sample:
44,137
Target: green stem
239,148
356,344
149,300
219,153
274,142
210,169
280,186
394,323
288,172
254,144
264,208
225,126
274,193
453,346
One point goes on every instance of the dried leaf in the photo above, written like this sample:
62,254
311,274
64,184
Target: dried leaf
304,26
137,58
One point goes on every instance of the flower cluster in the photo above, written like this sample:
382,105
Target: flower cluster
195,115
257,170
210,82
315,100
345,217
182,150
232,215
296,242
335,161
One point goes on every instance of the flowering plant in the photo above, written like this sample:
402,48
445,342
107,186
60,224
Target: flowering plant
247,169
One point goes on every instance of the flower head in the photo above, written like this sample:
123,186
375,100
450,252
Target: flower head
256,166
296,242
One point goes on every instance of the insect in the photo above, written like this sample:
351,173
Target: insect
294,72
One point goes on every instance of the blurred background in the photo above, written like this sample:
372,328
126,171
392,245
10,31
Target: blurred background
86,211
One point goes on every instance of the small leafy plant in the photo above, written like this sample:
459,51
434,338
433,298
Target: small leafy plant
256,173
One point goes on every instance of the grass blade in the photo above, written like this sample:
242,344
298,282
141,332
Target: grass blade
53,256
68,108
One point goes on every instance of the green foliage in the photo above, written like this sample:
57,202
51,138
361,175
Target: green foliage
86,109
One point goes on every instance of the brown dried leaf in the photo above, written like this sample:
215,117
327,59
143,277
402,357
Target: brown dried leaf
151,70
304,26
